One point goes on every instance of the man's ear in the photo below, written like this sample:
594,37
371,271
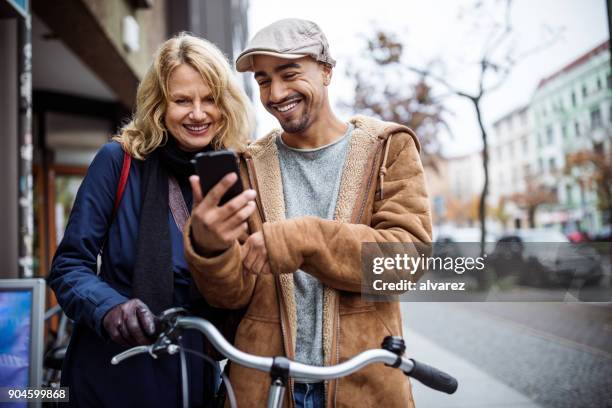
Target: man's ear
326,71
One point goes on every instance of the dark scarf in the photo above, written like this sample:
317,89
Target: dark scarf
153,279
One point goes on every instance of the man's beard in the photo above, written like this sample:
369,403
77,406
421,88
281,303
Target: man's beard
296,125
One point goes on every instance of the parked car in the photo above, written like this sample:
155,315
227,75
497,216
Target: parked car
454,242
604,234
542,257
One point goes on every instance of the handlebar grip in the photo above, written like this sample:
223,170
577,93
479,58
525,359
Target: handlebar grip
433,378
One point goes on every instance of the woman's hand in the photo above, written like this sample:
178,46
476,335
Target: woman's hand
130,323
216,228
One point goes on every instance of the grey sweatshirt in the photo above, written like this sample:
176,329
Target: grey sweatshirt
311,182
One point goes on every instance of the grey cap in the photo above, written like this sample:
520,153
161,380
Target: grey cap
290,38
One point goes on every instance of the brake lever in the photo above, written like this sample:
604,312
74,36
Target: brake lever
168,335
130,353
153,350
165,323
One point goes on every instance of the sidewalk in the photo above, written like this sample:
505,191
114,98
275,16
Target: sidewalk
476,388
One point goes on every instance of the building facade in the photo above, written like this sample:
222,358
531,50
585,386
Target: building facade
511,153
569,112
70,79
454,188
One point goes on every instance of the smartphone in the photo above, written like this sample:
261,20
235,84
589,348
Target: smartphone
212,167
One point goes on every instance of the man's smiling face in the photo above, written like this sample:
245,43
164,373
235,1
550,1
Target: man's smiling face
293,90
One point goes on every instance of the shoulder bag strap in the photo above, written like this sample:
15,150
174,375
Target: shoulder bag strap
125,172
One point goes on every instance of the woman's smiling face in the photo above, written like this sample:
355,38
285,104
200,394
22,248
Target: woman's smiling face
192,116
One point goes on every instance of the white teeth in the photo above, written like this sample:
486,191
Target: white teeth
287,107
197,128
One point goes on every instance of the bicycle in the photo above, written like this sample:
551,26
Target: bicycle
55,348
173,321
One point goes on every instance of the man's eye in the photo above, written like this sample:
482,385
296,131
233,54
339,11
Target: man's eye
290,75
264,82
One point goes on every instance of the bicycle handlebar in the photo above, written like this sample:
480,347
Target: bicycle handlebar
429,376
432,377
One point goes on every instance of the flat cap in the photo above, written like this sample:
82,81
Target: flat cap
291,38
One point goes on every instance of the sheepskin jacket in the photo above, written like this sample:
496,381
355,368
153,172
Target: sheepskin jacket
382,198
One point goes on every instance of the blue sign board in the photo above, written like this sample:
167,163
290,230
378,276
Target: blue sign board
22,6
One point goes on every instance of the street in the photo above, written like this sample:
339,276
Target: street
514,354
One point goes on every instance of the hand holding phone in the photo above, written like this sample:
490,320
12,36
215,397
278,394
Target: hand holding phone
211,167
221,208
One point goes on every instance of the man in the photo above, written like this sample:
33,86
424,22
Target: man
323,187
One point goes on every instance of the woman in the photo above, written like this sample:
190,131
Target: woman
187,102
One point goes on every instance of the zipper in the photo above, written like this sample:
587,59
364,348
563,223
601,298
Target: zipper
369,185
253,182
288,346
354,220
337,347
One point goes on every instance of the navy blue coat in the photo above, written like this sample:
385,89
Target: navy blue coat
86,297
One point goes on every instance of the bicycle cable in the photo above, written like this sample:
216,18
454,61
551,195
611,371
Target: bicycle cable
228,385
184,377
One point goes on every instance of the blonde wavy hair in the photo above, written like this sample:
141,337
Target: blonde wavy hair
147,130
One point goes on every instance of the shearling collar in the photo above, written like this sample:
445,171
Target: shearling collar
372,127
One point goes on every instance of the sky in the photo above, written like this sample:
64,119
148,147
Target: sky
432,29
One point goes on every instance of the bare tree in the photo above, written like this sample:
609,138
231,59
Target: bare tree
412,104
595,167
496,61
534,195
500,213
462,212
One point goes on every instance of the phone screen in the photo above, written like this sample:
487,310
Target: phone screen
213,166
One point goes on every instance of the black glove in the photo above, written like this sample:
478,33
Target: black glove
130,323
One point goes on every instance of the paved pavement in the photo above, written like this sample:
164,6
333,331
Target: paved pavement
476,388
514,355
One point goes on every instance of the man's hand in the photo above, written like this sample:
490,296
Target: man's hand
255,255
216,228
130,323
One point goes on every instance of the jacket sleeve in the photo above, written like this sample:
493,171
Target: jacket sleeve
82,294
330,250
220,279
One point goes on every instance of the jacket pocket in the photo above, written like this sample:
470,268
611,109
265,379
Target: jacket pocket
353,303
